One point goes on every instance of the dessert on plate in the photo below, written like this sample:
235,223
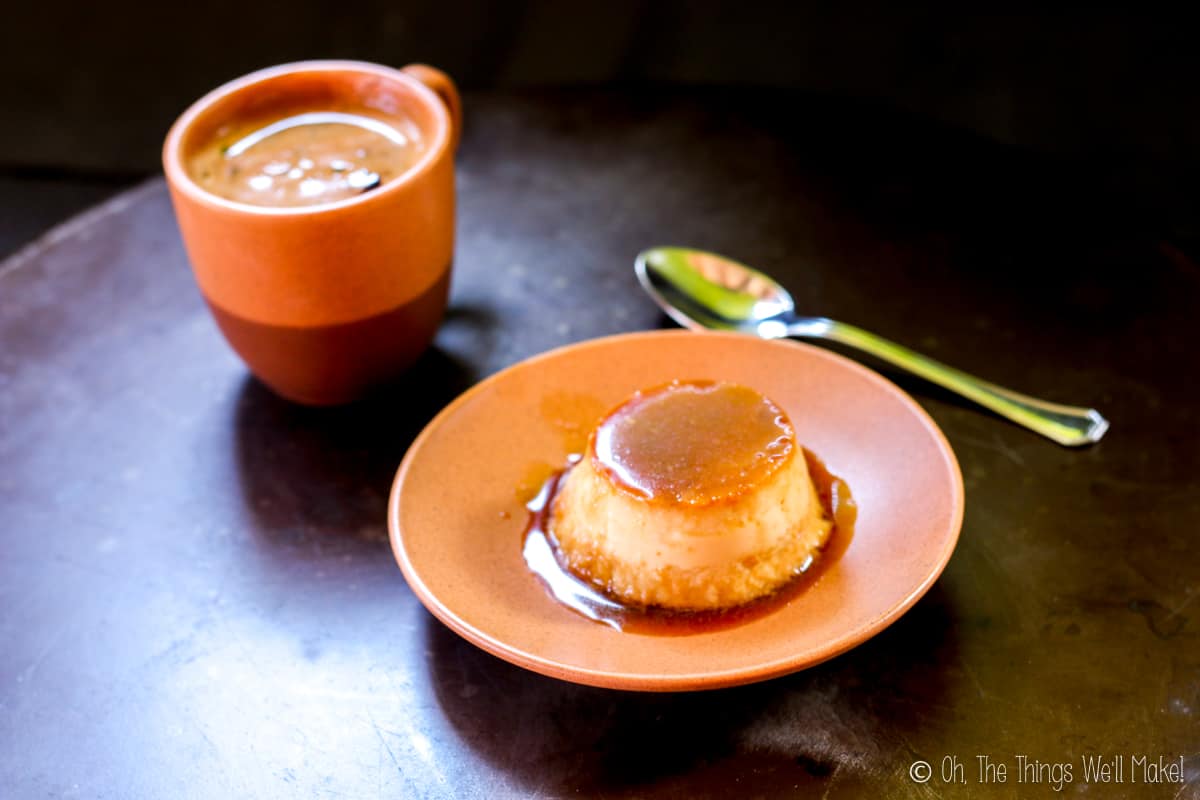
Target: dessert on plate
693,496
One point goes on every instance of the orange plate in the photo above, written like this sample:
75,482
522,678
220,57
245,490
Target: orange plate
457,515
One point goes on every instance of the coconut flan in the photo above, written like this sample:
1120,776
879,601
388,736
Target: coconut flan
692,496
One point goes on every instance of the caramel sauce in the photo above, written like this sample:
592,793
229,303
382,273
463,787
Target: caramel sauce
573,415
541,555
533,480
695,442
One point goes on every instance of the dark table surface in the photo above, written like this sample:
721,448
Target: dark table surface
197,598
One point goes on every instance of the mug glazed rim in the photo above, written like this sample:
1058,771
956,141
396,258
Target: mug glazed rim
177,174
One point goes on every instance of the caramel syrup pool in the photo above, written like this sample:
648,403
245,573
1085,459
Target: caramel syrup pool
541,555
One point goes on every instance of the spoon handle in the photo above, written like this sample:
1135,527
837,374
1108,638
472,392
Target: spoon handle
1068,425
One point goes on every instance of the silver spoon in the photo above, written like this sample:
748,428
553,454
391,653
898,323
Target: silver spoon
702,290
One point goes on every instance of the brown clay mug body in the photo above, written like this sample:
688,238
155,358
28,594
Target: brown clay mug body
324,302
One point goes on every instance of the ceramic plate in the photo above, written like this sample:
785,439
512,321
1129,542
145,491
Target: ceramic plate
457,510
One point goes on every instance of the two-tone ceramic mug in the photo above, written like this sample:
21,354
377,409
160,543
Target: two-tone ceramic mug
324,302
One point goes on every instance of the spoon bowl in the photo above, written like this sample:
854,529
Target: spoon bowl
702,290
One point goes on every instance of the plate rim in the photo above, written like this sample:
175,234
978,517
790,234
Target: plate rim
657,682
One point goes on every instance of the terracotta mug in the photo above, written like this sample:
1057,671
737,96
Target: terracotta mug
325,302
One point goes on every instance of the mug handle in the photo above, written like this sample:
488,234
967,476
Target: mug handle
444,88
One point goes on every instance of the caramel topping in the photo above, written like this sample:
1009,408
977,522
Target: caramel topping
693,442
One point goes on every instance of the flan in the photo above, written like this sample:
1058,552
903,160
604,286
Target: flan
693,496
